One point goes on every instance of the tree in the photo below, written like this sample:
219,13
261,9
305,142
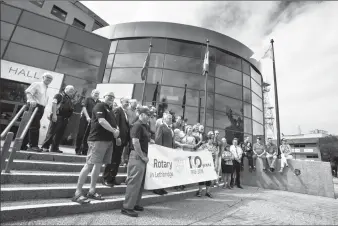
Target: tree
328,147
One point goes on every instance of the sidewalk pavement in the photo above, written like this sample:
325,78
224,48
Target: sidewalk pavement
228,207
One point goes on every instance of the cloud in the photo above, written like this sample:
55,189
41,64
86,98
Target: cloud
306,46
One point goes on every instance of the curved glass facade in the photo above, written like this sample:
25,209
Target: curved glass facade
235,105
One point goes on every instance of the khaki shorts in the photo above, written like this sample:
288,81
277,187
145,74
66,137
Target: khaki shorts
99,152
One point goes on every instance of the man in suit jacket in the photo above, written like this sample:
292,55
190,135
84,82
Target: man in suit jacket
121,116
164,137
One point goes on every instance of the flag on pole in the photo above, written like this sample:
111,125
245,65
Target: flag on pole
155,95
184,96
206,61
268,54
144,70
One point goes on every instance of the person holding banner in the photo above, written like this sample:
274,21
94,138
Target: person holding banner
138,160
210,146
188,141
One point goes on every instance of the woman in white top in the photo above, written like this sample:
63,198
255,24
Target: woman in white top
286,151
188,141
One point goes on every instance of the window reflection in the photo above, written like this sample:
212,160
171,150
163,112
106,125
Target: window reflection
246,81
191,113
133,45
83,89
210,101
13,91
247,125
228,60
256,88
182,48
258,129
258,102
154,75
246,95
6,30
257,115
133,75
175,95
210,117
112,48
228,105
245,67
138,59
228,89
230,135
81,53
257,77
228,74
183,64
228,121
176,78
149,92
247,110
22,54
77,69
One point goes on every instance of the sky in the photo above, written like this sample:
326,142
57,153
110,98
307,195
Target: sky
306,47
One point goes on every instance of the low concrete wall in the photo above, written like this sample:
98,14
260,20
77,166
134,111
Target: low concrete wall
315,178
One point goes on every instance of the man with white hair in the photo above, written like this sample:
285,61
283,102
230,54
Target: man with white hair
62,110
81,146
37,96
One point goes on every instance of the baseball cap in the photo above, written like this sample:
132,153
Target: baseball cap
109,94
144,110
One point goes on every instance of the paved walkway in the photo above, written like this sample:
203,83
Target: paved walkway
245,207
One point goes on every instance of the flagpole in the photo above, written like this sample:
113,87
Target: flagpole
276,96
184,99
206,91
145,80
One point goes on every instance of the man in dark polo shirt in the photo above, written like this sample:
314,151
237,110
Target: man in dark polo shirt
84,127
137,164
100,142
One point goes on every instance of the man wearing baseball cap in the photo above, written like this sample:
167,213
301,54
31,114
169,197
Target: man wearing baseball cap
137,163
103,131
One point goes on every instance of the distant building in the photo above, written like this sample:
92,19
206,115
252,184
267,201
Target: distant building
70,12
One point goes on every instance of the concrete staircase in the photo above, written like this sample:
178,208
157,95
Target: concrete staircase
42,184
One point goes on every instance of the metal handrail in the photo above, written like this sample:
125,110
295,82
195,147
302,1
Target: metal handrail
28,123
9,126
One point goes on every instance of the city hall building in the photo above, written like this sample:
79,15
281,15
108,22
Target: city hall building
111,58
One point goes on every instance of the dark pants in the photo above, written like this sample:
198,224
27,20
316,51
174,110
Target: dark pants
250,159
55,133
82,136
112,169
206,183
32,137
237,170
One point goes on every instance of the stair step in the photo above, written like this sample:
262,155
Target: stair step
32,209
49,156
38,165
44,177
15,192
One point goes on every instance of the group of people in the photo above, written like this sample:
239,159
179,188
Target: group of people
119,135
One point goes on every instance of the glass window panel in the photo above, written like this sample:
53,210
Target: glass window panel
245,67
81,53
247,125
126,75
257,77
106,75
137,60
221,133
183,64
228,74
258,130
133,45
247,110
110,59
3,46
154,75
43,24
248,135
210,118
246,81
22,54
191,113
182,48
6,30
12,91
59,13
212,53
228,89
221,120
149,92
83,89
77,69
212,69
228,105
113,45
233,62
38,3
37,40
175,95
256,88
257,115
230,135
258,102
158,45
228,121
9,14
246,95
79,23
176,78
210,101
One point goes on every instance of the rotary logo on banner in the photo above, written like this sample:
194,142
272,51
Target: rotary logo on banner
173,167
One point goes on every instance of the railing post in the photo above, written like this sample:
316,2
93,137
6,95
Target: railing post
5,149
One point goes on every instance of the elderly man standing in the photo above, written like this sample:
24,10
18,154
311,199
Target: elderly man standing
137,164
271,154
84,127
112,168
36,95
62,109
237,152
259,152
103,132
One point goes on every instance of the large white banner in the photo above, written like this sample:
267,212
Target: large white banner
173,167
